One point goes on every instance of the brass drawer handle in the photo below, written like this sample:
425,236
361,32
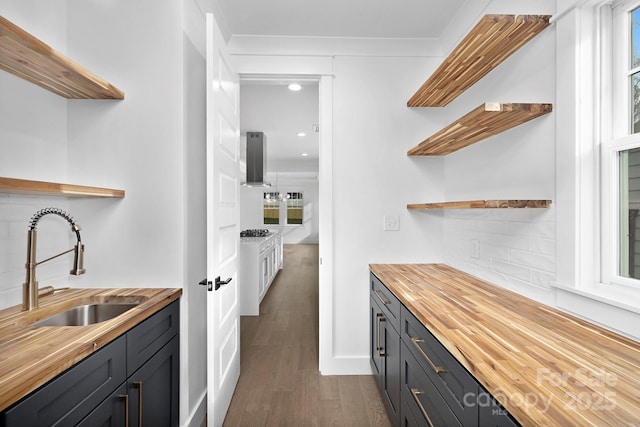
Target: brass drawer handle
380,318
377,292
415,392
138,384
437,369
126,408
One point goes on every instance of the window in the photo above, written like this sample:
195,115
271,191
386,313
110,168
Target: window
621,153
292,202
294,208
271,207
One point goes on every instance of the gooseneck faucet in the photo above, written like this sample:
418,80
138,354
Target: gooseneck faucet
30,286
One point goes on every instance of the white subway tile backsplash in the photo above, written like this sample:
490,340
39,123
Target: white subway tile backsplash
516,247
533,260
543,246
516,271
543,279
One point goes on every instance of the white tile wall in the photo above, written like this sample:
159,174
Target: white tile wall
516,247
54,236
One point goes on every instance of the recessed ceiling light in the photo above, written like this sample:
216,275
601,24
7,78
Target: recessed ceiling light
304,154
295,87
301,134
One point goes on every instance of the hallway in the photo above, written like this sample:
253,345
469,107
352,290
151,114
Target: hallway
280,384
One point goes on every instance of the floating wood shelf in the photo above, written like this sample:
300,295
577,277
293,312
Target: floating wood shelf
41,188
489,43
482,204
487,120
33,60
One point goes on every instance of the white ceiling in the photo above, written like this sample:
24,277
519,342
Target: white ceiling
338,18
270,107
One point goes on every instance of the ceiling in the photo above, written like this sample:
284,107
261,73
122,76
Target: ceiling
338,18
270,107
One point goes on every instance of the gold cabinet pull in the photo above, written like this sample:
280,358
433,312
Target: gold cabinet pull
437,369
380,318
377,292
138,384
126,408
415,392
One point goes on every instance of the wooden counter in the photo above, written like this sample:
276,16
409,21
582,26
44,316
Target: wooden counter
544,366
31,356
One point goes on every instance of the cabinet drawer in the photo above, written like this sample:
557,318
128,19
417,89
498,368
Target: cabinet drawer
386,300
148,337
421,402
66,399
450,378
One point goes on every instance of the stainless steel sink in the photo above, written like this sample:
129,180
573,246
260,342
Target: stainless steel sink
87,314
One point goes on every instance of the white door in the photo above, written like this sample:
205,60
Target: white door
223,233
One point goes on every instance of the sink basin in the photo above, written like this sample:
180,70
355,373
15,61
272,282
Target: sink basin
87,314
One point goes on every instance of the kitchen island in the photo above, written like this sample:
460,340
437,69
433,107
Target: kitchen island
261,258
544,366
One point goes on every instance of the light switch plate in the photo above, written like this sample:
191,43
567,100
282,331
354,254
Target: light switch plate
391,223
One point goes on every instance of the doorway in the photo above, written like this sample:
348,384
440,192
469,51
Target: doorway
324,84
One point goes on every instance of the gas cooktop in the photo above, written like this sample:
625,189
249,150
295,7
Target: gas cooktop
254,233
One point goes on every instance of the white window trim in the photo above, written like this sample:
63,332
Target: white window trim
583,199
616,137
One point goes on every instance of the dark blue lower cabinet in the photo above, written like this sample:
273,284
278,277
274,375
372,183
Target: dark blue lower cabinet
420,397
385,358
112,412
153,389
492,414
98,391
421,382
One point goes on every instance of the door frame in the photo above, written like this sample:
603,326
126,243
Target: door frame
325,201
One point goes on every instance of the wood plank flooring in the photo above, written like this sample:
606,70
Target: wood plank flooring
280,384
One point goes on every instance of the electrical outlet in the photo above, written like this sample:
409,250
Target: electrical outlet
391,223
475,248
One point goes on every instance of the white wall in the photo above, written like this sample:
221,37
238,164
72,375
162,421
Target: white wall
372,178
151,145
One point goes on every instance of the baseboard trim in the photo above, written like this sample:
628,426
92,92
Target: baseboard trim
347,366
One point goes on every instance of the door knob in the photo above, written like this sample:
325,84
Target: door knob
220,282
207,283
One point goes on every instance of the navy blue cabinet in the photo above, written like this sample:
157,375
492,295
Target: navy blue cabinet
137,371
421,382
385,346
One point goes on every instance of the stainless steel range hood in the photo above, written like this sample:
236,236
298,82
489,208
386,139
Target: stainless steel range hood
256,160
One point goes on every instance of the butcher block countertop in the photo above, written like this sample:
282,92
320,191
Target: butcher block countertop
546,367
31,356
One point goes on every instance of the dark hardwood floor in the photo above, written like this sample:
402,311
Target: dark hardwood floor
280,384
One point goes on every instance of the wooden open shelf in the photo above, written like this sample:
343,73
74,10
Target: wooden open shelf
42,188
482,204
489,43
487,120
33,60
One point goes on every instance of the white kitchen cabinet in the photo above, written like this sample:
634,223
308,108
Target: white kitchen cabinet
260,261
